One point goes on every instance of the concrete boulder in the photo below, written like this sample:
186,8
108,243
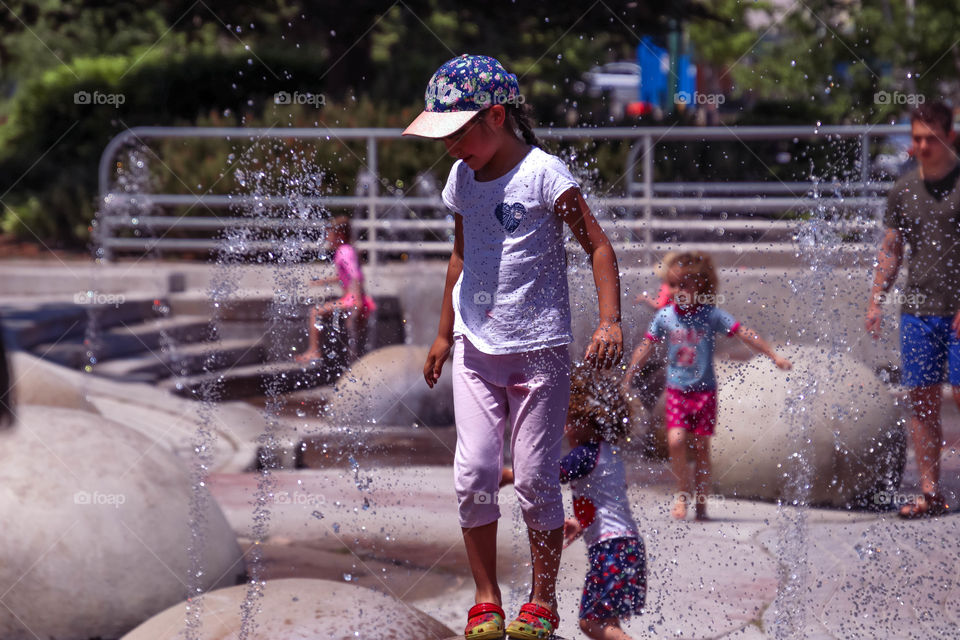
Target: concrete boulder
96,528
39,382
386,387
293,609
857,448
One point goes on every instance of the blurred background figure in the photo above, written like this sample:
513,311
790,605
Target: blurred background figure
354,306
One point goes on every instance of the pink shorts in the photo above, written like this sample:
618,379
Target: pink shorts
695,411
366,306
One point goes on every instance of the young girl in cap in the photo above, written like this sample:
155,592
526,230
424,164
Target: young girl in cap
689,326
506,318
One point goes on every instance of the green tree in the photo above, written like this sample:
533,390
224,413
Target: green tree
831,59
179,61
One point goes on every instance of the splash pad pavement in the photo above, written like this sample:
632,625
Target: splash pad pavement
871,575
386,519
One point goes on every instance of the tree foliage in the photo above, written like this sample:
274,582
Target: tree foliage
180,62
184,62
837,60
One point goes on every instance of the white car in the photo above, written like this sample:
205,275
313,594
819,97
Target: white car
622,79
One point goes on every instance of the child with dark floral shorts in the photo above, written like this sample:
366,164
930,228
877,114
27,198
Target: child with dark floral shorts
616,582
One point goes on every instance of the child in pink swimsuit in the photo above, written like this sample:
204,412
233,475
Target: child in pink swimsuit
689,326
354,303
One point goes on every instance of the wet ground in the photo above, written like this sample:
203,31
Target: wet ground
376,508
393,528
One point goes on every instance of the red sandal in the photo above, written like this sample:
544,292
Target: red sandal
484,622
533,623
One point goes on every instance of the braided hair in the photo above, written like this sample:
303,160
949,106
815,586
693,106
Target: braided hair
521,116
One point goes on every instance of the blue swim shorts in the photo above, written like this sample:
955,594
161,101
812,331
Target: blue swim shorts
926,344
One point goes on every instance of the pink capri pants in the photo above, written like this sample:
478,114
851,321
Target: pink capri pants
529,390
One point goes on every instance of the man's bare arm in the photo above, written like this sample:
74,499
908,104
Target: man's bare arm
889,259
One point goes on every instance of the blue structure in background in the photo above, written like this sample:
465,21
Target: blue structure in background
686,76
654,64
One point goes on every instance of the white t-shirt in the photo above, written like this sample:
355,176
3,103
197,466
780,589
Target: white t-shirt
600,499
512,295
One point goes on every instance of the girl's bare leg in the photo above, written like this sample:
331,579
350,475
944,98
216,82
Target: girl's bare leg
606,629
701,470
481,545
313,337
677,444
545,549
319,317
355,326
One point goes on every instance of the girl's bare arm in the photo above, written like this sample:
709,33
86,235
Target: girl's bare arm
750,338
323,282
640,357
444,340
606,345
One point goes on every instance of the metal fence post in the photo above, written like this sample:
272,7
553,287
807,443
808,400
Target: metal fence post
864,158
103,234
372,202
648,194
865,171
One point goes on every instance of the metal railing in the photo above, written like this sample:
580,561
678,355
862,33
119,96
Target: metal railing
646,206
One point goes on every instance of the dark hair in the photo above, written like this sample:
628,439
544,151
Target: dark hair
341,225
596,399
935,112
699,265
521,117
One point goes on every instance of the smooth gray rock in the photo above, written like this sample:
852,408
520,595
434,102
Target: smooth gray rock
293,609
386,387
857,445
95,532
39,382
166,419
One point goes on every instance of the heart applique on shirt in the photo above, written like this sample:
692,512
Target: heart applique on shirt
510,215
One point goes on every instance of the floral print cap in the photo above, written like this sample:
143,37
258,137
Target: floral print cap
460,89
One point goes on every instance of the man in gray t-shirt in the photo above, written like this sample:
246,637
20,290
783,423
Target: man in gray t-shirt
923,210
